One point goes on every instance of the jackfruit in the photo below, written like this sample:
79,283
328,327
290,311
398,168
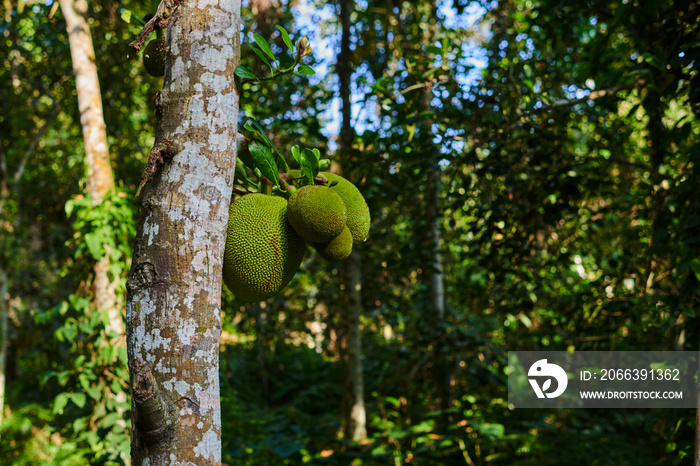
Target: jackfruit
154,58
355,204
317,213
338,249
263,252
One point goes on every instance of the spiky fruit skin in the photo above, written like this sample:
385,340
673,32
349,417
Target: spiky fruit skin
355,204
317,213
338,249
263,252
154,58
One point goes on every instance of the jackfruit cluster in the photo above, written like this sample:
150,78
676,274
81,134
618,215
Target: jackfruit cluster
333,228
357,208
267,235
263,251
317,213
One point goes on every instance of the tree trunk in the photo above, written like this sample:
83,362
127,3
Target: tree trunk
354,418
435,275
174,286
4,311
100,178
433,257
354,427
435,283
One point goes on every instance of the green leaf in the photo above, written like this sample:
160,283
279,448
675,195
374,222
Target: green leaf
78,399
312,159
62,377
265,161
60,402
126,16
69,333
242,176
79,424
296,153
260,132
264,46
392,400
262,57
306,165
94,393
695,267
110,419
285,38
245,73
490,430
305,69
79,361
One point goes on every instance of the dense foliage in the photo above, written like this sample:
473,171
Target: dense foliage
568,144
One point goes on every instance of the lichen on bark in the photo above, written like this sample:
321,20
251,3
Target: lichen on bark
174,287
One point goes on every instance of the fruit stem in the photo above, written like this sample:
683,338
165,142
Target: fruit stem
265,185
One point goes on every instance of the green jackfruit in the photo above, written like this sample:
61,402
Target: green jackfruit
338,249
263,252
154,58
317,213
357,209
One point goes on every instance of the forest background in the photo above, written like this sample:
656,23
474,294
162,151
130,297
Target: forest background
532,172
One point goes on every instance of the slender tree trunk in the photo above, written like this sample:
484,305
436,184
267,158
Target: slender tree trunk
9,187
4,310
354,419
100,178
260,347
433,258
174,286
443,373
354,424
435,274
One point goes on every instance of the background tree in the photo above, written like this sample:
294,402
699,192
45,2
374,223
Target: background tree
100,178
354,416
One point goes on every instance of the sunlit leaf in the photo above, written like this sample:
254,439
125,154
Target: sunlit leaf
262,56
60,402
126,16
264,161
245,73
264,46
78,399
305,70
285,37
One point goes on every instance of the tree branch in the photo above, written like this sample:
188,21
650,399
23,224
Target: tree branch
592,96
160,20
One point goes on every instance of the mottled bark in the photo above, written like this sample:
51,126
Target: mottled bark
354,425
100,178
174,286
